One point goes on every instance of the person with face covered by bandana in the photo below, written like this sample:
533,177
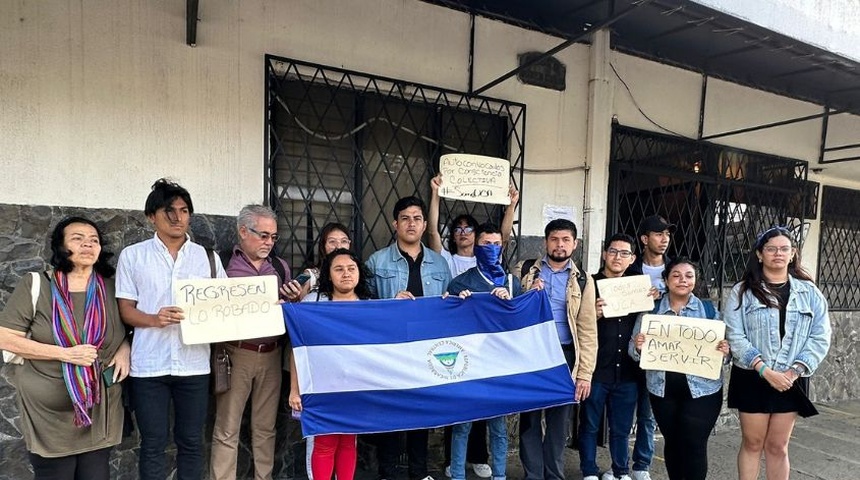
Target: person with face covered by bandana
488,276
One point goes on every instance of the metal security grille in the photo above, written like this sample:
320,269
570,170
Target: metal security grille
720,198
839,248
344,146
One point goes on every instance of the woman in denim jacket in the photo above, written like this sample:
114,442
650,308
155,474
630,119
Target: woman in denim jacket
686,407
779,332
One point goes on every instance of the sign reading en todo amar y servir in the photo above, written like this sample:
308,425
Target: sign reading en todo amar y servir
682,344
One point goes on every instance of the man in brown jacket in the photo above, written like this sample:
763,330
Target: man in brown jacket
573,308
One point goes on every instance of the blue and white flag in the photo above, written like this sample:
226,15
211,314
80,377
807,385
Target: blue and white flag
386,365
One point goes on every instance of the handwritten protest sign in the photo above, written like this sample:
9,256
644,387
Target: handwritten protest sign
222,309
475,178
625,295
683,345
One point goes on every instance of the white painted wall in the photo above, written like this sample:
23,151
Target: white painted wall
97,99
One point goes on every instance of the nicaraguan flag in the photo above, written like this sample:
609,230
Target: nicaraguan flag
386,365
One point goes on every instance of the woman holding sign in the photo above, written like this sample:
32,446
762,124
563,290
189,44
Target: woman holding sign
779,330
343,278
685,406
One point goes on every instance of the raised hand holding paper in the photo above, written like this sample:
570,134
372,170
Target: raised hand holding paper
625,295
475,178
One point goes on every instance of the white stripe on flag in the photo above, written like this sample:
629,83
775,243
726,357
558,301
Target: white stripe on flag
426,363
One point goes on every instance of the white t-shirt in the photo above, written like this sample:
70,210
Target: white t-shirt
458,263
656,274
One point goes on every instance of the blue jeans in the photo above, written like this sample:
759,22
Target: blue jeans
620,401
643,449
498,448
151,398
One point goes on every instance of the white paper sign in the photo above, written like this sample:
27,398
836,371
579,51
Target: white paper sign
625,295
475,178
222,309
553,212
683,345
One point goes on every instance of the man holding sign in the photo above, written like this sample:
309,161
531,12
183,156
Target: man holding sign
256,362
614,384
163,369
686,390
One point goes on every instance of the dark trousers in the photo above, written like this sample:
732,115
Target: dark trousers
388,452
686,423
476,449
151,398
83,466
542,450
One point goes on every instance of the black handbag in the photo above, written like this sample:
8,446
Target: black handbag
221,370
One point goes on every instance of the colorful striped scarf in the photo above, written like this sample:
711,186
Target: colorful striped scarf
82,383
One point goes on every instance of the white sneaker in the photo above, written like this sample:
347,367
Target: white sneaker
624,477
591,477
428,477
640,475
448,471
482,470
607,476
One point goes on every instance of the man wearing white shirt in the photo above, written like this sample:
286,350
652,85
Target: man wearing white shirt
164,370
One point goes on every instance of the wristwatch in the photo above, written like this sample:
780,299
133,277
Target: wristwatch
798,369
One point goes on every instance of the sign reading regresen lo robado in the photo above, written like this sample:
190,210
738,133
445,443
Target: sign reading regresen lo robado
224,309
475,178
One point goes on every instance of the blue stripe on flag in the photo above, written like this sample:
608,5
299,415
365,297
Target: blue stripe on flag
396,321
382,411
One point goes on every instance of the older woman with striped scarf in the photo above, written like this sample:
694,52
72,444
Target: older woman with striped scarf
68,331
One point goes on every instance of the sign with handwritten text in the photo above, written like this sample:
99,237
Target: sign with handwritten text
222,309
475,178
624,295
683,345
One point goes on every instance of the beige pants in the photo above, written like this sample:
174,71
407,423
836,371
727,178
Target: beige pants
257,375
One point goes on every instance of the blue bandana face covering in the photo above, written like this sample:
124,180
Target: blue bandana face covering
489,259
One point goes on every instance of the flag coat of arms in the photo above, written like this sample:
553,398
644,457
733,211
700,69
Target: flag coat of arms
387,365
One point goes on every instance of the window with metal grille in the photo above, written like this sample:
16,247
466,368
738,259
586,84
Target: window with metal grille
839,248
344,146
720,198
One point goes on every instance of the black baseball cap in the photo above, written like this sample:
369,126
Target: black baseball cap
655,223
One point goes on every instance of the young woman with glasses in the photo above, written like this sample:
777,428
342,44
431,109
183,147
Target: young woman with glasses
779,331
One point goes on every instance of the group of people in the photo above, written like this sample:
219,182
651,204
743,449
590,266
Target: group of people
82,332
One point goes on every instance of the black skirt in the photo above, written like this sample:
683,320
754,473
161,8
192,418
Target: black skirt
750,393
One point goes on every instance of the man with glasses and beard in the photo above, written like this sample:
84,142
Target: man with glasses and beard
573,309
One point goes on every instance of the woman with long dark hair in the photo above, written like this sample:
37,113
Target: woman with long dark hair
779,332
74,350
685,406
343,278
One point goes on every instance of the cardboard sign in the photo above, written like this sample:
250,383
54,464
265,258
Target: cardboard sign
683,345
625,295
475,178
222,309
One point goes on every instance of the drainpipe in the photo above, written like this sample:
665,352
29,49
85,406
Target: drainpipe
598,141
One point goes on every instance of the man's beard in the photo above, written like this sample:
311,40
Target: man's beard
559,259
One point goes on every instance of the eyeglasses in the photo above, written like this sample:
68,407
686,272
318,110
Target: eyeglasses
463,230
333,242
770,249
265,236
619,253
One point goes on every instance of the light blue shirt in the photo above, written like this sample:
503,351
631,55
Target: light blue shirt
655,380
145,273
753,330
389,272
555,284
